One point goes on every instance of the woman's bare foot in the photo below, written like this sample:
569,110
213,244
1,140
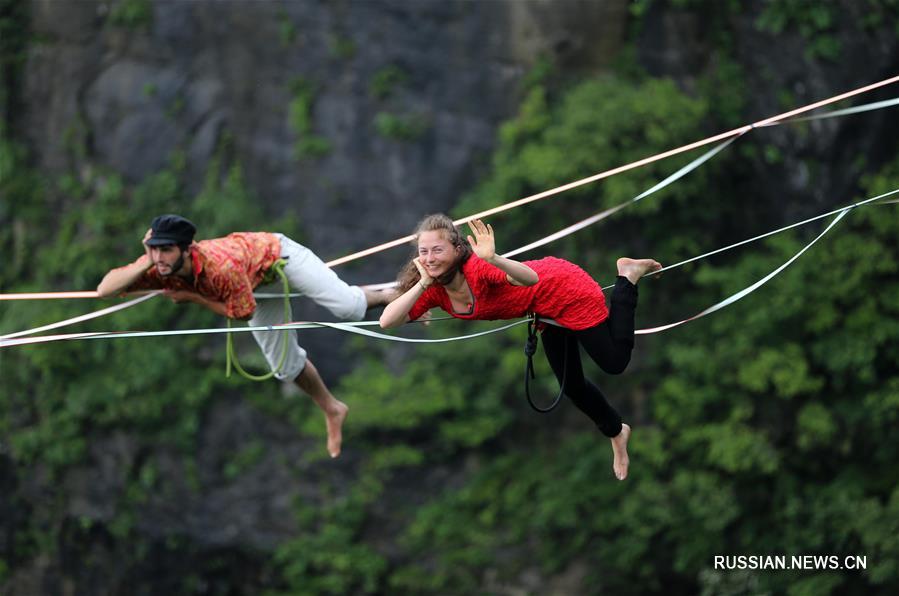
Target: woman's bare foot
334,421
619,448
634,269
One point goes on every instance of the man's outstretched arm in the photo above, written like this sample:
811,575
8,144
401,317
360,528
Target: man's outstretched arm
219,308
117,280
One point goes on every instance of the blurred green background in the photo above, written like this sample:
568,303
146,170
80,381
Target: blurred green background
134,467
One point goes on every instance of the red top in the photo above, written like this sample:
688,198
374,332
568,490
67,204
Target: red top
565,293
225,269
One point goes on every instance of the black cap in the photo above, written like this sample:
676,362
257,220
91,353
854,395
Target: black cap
171,229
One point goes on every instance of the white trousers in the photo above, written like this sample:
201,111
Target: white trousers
308,275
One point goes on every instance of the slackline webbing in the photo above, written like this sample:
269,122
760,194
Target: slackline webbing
771,121
604,214
560,234
746,291
79,319
353,327
670,179
866,203
357,327
5,340
877,105
565,187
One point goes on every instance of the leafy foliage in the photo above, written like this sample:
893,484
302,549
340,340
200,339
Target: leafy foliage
814,21
56,400
401,128
308,144
767,428
770,435
385,81
131,14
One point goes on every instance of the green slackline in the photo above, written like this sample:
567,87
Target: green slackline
231,355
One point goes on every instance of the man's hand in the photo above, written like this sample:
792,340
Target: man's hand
182,296
119,279
483,243
219,308
148,263
425,319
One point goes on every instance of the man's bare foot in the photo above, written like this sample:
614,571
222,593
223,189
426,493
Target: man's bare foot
634,269
334,421
381,297
619,448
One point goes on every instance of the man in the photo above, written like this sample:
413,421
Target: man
221,274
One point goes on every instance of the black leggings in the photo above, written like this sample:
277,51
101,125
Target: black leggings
608,344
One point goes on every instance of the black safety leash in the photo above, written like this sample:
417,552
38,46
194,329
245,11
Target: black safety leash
530,348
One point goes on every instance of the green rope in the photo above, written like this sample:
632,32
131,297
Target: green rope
231,355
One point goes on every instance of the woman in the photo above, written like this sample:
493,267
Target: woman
470,281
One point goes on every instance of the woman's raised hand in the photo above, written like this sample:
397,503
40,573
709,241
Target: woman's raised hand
483,243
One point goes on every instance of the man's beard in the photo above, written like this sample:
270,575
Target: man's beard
176,266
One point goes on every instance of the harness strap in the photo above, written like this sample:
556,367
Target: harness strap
231,354
530,348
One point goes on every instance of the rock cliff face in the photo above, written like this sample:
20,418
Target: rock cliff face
358,117
194,71
782,71
340,113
